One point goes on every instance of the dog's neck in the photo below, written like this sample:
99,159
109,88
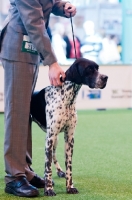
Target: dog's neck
72,82
70,91
68,76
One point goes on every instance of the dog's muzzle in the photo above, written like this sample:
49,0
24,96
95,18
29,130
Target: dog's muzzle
104,79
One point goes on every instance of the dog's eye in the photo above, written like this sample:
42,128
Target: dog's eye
90,70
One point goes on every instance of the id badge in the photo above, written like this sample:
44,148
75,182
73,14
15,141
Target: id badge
27,45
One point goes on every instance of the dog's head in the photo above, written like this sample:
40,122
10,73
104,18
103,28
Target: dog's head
84,71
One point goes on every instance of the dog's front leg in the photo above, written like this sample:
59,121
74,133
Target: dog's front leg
59,170
69,142
48,191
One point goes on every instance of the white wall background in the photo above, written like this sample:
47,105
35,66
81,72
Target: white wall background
117,94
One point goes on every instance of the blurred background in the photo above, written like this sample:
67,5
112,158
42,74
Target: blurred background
97,29
102,161
103,33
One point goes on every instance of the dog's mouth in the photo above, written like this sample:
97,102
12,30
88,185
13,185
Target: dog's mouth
105,78
103,81
103,86
99,83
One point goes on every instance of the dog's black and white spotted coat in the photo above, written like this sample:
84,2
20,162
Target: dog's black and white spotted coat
53,108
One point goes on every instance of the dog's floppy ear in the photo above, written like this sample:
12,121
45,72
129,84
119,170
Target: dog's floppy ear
81,67
73,74
76,72
87,66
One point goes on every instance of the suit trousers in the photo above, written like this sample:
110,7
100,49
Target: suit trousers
19,83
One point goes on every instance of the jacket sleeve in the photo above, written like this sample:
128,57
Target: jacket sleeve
32,16
58,8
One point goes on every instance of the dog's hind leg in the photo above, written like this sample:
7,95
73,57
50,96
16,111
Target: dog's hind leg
69,142
59,170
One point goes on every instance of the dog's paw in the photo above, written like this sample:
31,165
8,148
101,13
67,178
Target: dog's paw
49,193
72,191
61,174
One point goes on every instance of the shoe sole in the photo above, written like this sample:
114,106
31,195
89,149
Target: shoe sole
10,191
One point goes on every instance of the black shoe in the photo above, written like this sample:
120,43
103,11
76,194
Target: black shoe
38,182
21,187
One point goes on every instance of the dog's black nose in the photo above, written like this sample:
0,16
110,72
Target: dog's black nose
104,78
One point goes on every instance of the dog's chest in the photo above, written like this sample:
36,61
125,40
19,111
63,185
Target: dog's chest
60,104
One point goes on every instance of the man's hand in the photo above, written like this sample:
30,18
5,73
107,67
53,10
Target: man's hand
69,9
55,72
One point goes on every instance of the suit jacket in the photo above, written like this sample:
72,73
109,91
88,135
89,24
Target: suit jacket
29,18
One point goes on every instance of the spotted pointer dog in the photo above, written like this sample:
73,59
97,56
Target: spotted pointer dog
53,108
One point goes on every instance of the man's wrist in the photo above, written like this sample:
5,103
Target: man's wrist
52,64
